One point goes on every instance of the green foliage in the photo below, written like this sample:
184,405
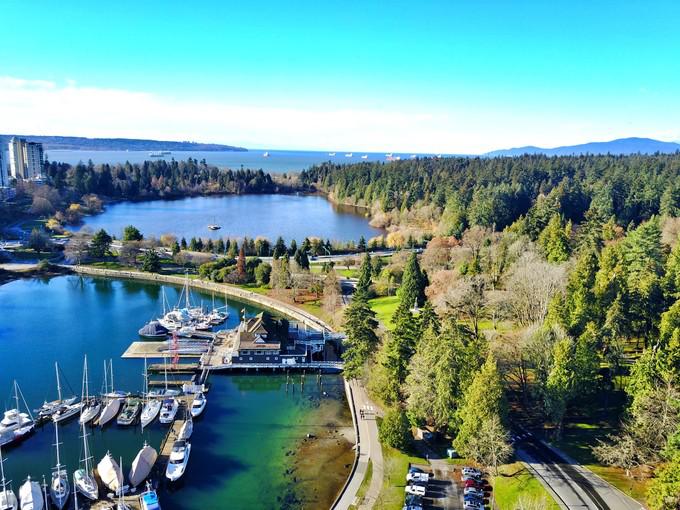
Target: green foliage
151,262
484,399
397,351
301,259
131,233
279,248
664,489
100,244
39,241
365,274
413,283
361,341
262,273
395,430
555,240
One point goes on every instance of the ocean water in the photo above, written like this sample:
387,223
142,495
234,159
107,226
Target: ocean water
240,443
270,216
278,161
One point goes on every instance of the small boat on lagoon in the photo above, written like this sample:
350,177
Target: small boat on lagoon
65,410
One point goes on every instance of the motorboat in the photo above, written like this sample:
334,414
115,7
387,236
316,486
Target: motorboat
14,419
59,487
110,473
198,405
65,412
142,465
187,429
331,154
179,458
265,155
8,500
348,155
364,156
49,408
153,330
31,495
168,410
213,226
130,411
149,499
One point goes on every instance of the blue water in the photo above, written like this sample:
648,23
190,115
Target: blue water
278,161
270,216
239,445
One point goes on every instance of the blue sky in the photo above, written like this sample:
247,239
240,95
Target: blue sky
444,76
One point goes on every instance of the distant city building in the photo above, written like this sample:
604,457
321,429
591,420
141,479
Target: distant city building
25,159
4,174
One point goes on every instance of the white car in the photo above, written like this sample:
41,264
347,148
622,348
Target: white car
418,490
472,505
418,477
473,491
476,478
471,471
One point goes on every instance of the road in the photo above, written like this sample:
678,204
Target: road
369,448
572,486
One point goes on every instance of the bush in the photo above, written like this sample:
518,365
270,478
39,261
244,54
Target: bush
263,273
395,430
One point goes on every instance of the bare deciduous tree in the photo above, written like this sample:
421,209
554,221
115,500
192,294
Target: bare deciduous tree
467,300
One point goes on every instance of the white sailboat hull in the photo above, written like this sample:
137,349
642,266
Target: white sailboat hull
8,501
86,484
110,473
90,413
150,412
59,489
142,465
66,412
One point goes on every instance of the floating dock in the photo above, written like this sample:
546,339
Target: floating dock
156,350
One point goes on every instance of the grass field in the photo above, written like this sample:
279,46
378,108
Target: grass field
514,482
395,465
384,308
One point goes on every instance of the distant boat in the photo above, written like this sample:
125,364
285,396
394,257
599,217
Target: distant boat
265,155
331,154
156,154
388,155
413,156
214,226
153,329
168,410
130,411
348,155
365,156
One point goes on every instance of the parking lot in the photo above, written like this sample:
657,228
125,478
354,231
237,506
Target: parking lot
444,489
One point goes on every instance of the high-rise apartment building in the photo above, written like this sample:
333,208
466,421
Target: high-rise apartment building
25,159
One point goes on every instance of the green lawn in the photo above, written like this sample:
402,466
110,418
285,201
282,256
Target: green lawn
384,308
576,442
396,466
513,482
252,287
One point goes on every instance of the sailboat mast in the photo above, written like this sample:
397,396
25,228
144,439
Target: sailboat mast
56,435
106,378
111,366
75,492
16,393
56,370
186,284
146,381
86,451
2,472
86,382
165,372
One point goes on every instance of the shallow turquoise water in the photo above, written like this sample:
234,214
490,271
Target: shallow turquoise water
238,458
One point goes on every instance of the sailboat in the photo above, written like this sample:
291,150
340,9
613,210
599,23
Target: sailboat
8,501
187,428
31,495
164,392
16,424
91,405
113,398
110,473
83,479
120,505
142,465
152,406
59,488
64,411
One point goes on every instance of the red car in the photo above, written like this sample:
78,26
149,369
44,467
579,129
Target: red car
474,483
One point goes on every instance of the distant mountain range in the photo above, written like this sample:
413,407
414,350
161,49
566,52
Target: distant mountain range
119,144
619,146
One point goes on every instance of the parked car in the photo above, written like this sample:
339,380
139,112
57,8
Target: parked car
413,500
473,505
471,482
414,469
412,507
471,471
474,478
418,477
418,490
473,491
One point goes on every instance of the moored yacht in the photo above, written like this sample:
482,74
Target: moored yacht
168,410
130,411
179,458
83,478
14,421
198,405
151,406
59,487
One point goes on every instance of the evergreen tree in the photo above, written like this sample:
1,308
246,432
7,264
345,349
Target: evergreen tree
241,274
365,273
579,305
361,246
555,240
131,233
413,283
293,247
429,321
176,248
279,248
483,400
220,246
302,260
193,244
183,244
151,262
361,340
395,430
100,244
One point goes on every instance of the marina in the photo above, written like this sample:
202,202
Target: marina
290,396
